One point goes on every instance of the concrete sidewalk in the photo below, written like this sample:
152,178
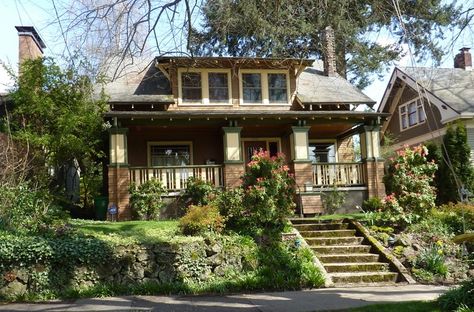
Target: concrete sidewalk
294,301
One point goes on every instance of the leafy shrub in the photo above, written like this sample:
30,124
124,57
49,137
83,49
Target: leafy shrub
268,193
452,215
146,200
460,297
408,182
201,219
25,209
231,208
333,200
372,204
200,192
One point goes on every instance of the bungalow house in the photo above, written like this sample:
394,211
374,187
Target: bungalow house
206,116
423,101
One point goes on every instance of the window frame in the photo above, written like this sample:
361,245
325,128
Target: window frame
168,143
404,113
265,86
204,86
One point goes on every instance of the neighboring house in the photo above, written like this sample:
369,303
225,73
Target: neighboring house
206,116
423,101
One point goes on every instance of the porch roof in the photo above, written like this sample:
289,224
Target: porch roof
247,114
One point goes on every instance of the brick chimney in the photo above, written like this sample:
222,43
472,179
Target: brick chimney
30,43
329,52
463,59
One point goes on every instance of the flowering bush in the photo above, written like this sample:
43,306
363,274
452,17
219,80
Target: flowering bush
268,192
409,180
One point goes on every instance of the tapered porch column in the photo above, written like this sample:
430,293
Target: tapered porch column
119,178
374,164
302,165
234,166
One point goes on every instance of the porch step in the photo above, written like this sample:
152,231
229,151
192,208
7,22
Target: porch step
342,279
341,249
320,226
330,241
345,258
328,233
356,267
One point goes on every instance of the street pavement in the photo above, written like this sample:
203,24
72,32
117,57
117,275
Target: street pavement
326,299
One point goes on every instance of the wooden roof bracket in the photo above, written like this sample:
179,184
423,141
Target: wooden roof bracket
162,68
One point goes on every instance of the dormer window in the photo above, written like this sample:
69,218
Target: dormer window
201,86
260,86
412,114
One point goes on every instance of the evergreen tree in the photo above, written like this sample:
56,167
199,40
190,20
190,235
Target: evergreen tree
292,28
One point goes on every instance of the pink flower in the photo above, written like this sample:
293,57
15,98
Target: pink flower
285,168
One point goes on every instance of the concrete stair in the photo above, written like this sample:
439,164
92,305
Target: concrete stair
345,255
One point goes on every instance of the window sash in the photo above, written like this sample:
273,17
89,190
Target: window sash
191,85
218,87
412,114
277,88
252,87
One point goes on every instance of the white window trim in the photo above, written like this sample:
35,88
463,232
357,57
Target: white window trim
204,86
264,83
334,141
416,113
164,143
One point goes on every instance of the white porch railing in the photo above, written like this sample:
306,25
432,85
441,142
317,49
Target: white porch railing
175,178
344,174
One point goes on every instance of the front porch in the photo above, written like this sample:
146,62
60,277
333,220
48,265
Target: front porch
320,154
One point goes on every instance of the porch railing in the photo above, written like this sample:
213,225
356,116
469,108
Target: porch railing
175,178
344,174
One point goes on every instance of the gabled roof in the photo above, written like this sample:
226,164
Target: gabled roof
453,86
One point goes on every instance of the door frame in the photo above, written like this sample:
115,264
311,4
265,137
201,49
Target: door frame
267,141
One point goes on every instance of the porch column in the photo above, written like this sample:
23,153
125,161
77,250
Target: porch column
233,160
302,165
119,177
373,163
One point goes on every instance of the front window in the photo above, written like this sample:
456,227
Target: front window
252,88
277,88
191,87
412,114
218,87
322,152
170,155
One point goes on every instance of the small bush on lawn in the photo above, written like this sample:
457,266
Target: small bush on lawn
333,200
145,199
201,219
231,207
269,190
458,298
26,209
200,192
408,182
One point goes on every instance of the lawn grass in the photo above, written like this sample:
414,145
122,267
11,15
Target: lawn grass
411,306
132,231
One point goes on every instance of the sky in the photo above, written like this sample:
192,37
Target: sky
41,15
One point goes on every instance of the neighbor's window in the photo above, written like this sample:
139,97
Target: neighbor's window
322,152
412,114
218,87
252,88
170,155
191,87
277,88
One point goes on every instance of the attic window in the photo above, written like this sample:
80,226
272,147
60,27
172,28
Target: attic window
202,86
411,114
264,86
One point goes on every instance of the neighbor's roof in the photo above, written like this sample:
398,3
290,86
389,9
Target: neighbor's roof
313,87
453,86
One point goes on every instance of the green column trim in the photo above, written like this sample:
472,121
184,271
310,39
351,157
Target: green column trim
124,132
236,130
